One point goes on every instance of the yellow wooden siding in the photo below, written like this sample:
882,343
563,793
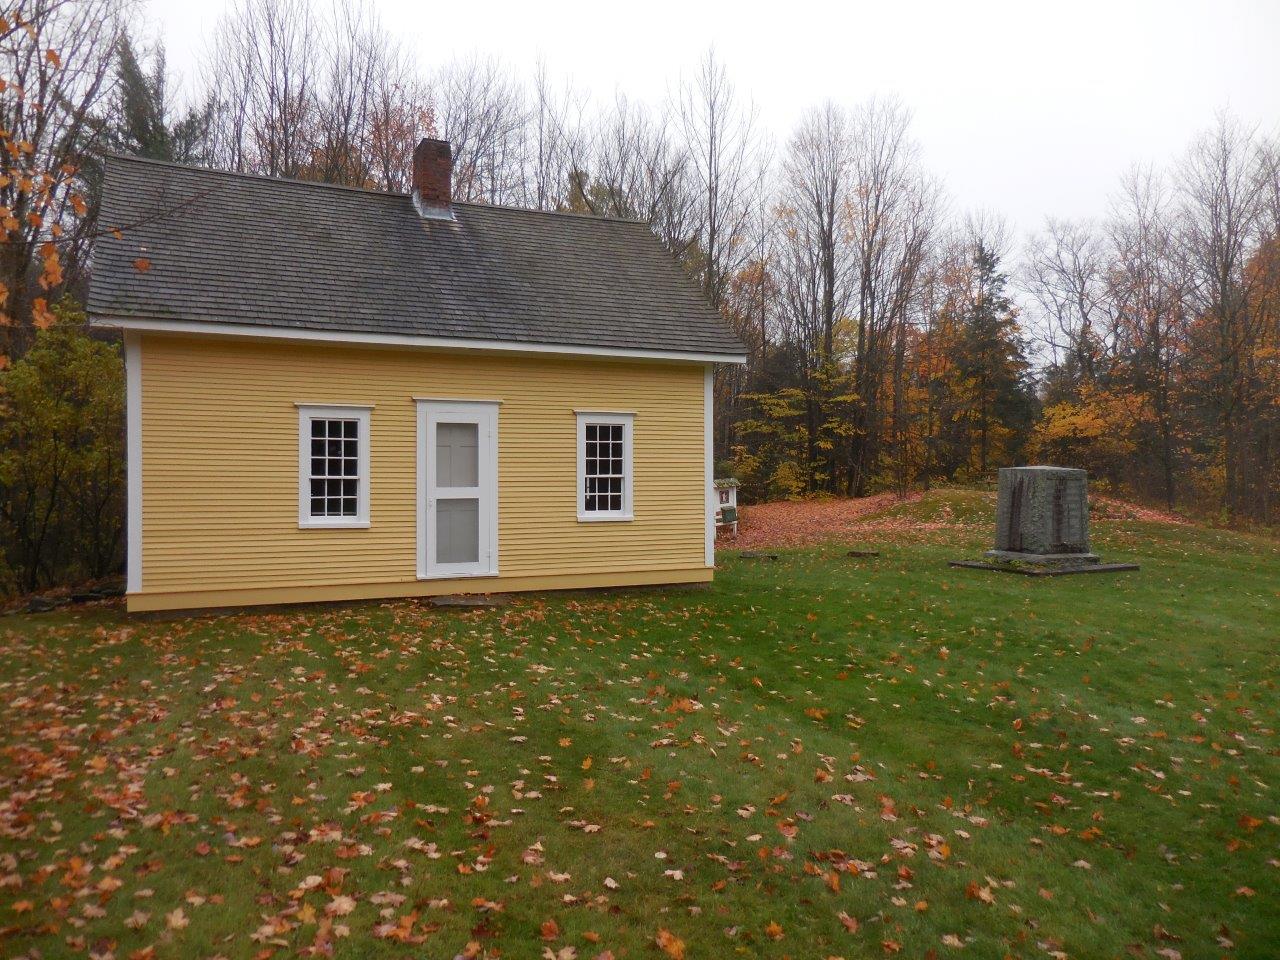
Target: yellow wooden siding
220,464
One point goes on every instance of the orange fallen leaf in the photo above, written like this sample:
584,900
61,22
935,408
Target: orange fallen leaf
670,944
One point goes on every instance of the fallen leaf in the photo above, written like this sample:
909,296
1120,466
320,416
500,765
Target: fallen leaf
670,944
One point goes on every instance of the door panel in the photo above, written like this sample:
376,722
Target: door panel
457,530
457,489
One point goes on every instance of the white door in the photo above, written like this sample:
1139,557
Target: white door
457,489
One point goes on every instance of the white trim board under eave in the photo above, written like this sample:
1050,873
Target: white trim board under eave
133,459
262,332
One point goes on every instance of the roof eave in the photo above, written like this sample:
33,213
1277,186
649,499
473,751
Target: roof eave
265,332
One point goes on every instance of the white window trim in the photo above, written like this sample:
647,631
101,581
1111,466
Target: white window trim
628,465
313,411
488,411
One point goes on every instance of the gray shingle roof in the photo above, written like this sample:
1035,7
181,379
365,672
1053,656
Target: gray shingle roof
228,248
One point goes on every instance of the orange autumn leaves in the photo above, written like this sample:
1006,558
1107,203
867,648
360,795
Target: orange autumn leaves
39,196
670,944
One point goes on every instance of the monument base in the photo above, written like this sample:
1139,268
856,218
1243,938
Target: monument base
1058,568
1018,556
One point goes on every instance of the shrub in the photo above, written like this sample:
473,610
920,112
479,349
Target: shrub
787,481
62,461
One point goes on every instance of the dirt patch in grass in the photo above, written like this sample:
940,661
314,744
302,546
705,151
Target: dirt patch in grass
799,523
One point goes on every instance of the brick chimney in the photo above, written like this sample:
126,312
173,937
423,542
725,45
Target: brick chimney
433,179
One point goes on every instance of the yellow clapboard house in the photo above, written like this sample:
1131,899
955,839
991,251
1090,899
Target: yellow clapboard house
339,394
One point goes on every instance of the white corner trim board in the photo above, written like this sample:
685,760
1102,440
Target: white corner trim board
263,332
709,451
133,459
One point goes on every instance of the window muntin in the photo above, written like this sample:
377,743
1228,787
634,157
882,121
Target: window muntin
335,467
333,488
604,466
603,472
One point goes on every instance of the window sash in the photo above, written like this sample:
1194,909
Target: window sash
605,466
333,466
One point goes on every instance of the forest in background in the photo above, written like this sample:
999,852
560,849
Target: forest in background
894,341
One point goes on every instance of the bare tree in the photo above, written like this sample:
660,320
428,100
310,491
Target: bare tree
641,171
817,176
1269,177
813,262
890,217
719,136
262,73
355,53
480,109
331,98
1148,289
399,115
1065,274
556,143
1222,201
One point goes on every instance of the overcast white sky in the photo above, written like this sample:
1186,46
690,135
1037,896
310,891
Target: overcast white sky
1026,108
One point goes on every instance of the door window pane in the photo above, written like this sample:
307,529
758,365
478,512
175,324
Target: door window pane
457,455
458,530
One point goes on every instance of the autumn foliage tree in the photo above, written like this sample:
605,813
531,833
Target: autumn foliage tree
1159,327
56,60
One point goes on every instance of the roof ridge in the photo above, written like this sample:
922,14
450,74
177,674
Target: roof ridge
367,191
242,175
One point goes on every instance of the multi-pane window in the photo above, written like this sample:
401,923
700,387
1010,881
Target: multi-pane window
334,466
603,471
604,466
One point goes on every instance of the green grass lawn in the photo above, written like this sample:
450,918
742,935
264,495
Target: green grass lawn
815,757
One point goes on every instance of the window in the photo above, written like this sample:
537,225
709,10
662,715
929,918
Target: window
333,466
604,466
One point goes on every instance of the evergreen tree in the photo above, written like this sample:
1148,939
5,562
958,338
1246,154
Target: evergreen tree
141,118
979,402
992,364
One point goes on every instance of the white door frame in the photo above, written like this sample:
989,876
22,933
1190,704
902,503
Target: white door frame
485,415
